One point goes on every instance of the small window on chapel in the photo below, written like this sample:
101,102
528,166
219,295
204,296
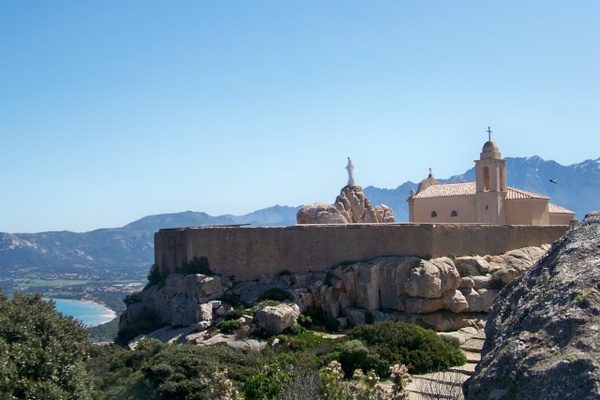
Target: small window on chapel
433,214
454,213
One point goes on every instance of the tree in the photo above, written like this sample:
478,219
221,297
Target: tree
42,351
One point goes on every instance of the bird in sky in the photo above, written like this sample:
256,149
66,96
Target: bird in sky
553,180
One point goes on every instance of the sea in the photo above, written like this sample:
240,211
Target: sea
88,312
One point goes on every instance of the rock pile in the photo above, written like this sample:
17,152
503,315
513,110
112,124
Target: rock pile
542,333
351,206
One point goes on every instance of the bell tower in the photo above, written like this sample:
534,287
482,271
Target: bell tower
490,178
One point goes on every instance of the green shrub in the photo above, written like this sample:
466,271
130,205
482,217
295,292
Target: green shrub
154,276
302,340
267,384
496,282
42,352
451,340
465,269
236,314
296,329
188,372
402,343
276,294
232,299
320,318
230,325
355,355
305,321
132,298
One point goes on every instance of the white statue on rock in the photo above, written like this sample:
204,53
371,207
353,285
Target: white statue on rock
350,168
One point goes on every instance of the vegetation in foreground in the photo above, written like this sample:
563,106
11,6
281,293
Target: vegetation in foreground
47,355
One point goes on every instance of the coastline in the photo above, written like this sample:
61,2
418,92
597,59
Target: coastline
104,314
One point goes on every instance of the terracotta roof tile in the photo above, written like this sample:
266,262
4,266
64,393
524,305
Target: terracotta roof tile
469,189
447,190
518,194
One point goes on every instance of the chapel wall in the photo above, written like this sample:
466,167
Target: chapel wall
248,252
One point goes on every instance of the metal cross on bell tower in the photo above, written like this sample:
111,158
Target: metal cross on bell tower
489,131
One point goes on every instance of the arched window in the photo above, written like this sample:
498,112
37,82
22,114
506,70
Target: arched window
454,213
433,214
486,178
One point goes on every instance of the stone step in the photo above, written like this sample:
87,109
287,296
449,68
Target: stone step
472,357
446,378
466,369
470,349
473,344
435,395
433,390
437,385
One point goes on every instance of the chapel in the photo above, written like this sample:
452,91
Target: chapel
488,200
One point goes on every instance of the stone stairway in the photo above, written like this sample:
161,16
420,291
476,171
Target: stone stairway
448,384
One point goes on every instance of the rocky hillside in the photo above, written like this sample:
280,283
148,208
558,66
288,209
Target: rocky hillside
542,334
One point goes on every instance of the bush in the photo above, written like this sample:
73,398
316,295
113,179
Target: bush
496,282
319,318
451,340
132,298
187,372
267,384
230,325
465,269
300,339
412,345
232,299
237,313
276,294
305,321
43,352
154,276
355,355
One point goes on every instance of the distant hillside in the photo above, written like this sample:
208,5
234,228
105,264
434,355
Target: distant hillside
577,186
187,218
109,253
272,216
129,250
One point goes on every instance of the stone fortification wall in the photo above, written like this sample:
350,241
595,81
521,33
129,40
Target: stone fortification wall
248,252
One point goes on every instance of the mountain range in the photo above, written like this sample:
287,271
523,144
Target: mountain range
128,251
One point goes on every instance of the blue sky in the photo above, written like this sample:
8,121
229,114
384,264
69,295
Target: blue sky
112,110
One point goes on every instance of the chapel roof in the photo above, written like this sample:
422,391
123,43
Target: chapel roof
469,189
447,190
518,194
554,209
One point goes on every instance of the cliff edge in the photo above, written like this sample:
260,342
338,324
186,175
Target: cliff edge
542,332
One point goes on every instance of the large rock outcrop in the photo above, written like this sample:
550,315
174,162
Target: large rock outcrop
429,292
182,300
351,206
542,333
277,318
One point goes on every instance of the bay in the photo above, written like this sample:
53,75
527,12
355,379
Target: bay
88,312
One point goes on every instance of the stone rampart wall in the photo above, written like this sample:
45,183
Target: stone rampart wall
248,252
